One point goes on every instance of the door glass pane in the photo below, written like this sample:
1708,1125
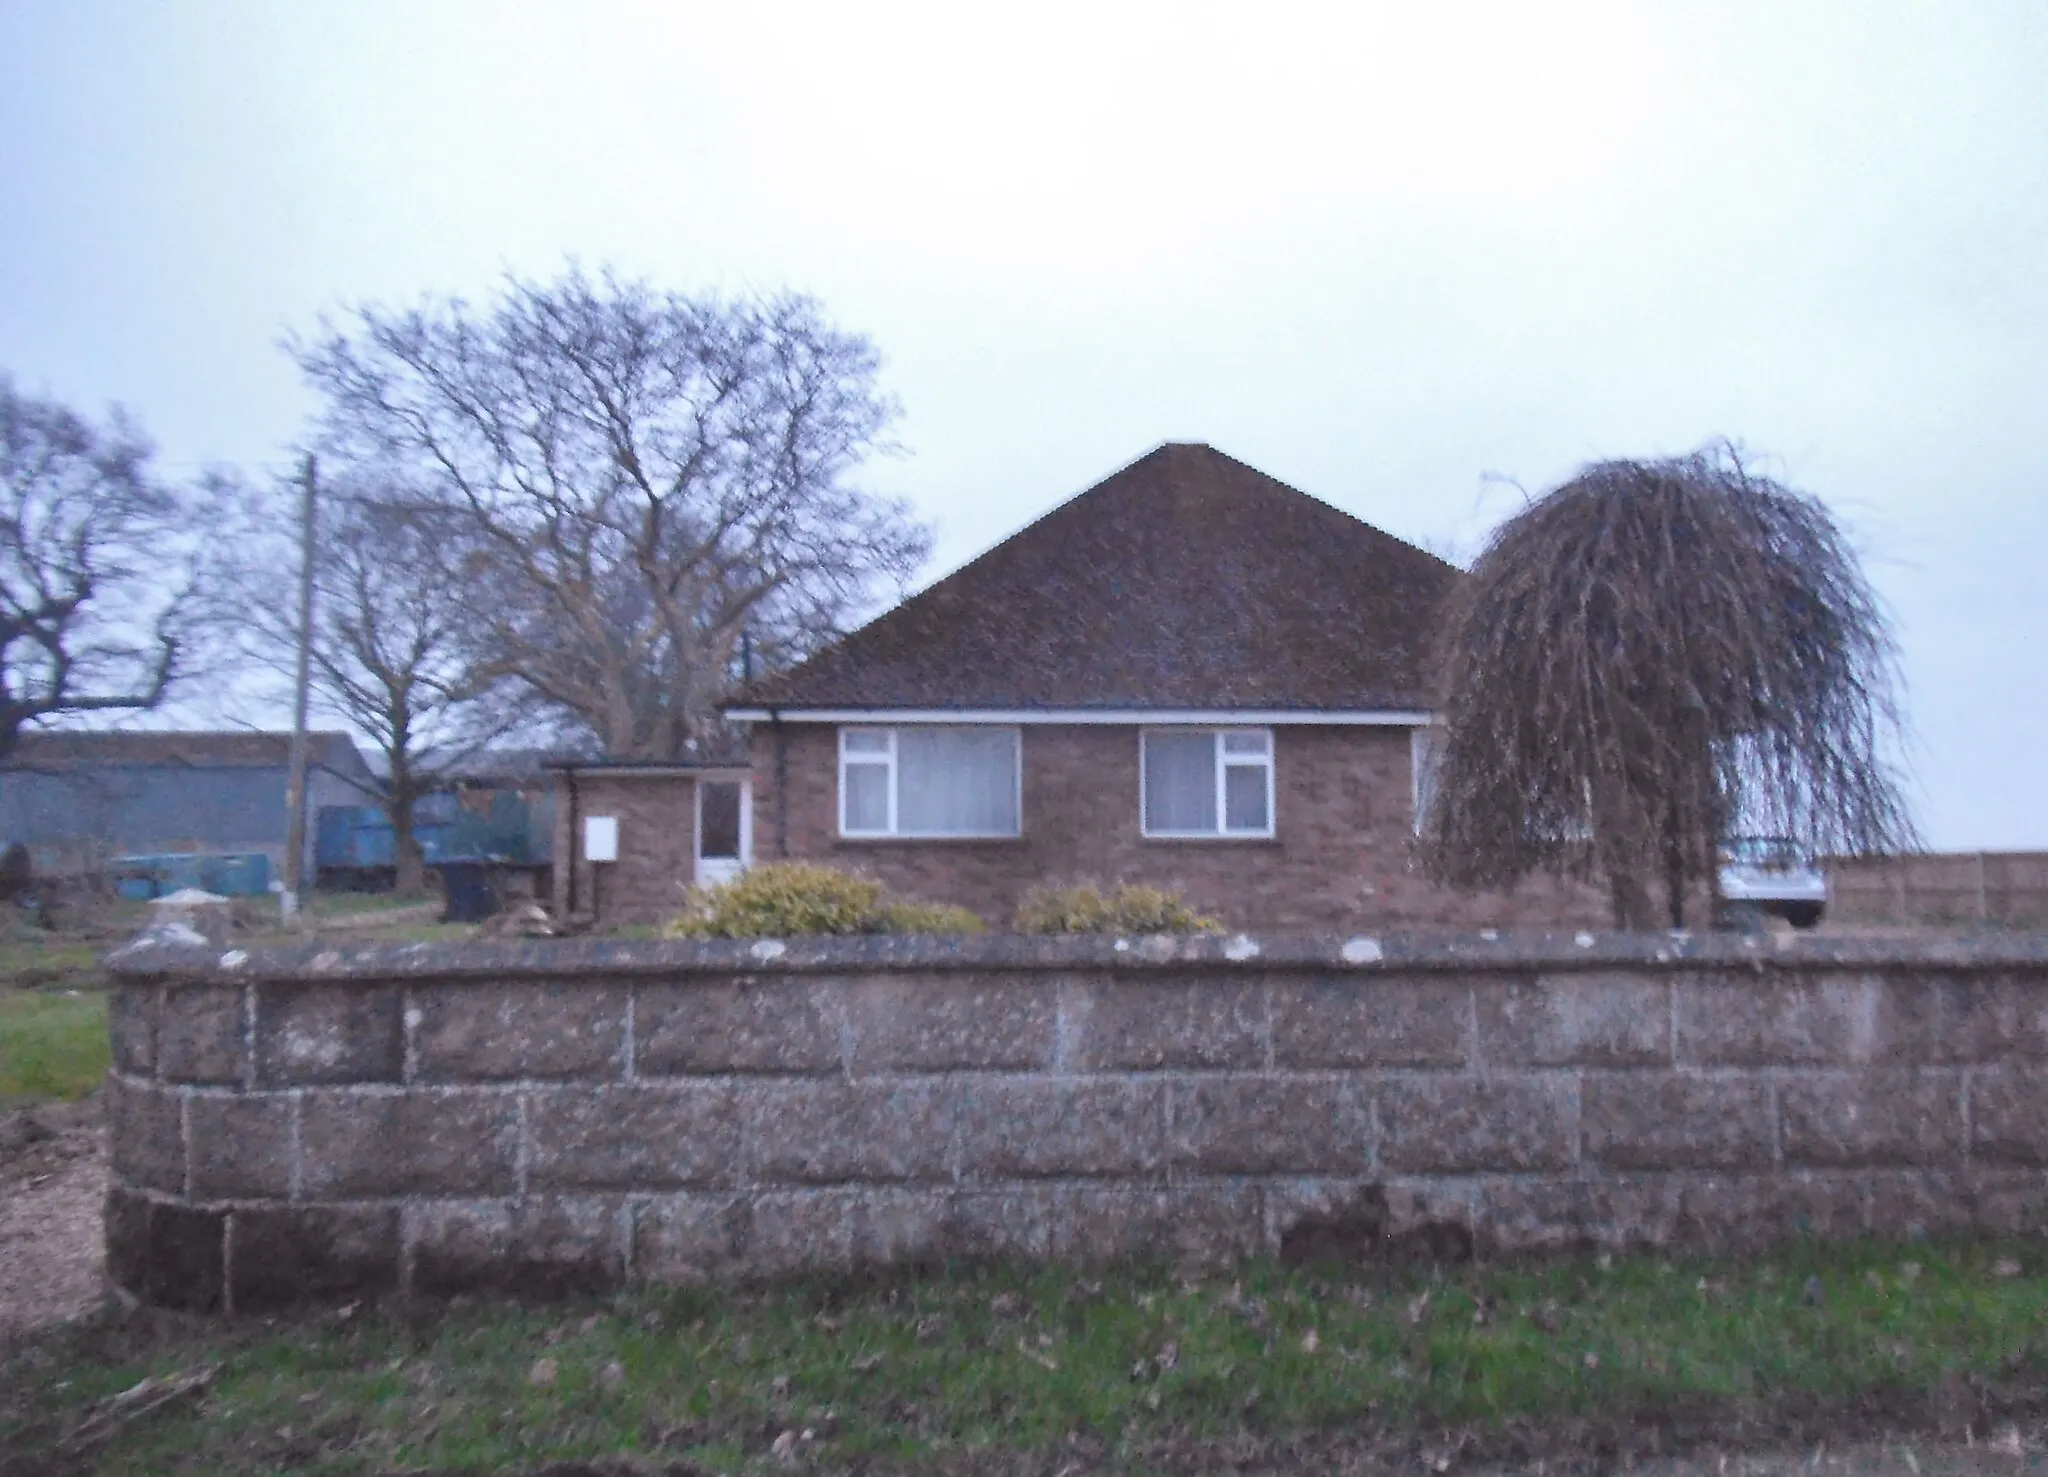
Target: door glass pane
867,740
718,818
956,781
1425,752
867,797
1244,797
1245,743
1180,782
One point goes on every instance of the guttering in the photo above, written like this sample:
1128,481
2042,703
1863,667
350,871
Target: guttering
1121,717
781,783
572,844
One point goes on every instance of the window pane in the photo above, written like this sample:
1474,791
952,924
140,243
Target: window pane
867,740
956,781
1244,797
1425,752
718,818
1247,743
867,797
1180,782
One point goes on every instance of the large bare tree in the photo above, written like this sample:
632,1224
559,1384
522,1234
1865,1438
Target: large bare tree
97,567
646,477
1647,657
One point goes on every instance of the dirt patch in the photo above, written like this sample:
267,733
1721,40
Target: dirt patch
53,1189
1363,1233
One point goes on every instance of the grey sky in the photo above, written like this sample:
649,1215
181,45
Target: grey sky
1380,251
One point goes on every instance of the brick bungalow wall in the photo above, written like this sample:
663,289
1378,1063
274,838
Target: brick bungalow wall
1339,858
316,1122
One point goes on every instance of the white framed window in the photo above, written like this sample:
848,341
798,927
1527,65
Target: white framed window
1425,753
1206,781
930,781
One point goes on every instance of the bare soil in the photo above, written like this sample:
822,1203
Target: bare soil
53,1184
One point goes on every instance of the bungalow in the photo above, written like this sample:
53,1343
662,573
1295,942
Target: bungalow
1190,675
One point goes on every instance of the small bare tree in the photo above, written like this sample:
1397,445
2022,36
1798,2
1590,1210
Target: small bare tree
393,648
644,476
1646,657
97,567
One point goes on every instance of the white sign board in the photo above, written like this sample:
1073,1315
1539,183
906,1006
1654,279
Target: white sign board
600,838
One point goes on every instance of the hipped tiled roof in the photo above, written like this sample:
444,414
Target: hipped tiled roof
1185,580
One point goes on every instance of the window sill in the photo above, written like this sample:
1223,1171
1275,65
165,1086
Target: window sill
927,840
1210,840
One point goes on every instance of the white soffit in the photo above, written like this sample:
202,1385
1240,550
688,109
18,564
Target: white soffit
1261,717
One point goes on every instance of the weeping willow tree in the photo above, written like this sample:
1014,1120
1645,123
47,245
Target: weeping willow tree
1648,658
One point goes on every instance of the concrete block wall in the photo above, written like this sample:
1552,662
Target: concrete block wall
581,1114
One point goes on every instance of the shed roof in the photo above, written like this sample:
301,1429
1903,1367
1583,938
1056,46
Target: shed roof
198,749
1187,580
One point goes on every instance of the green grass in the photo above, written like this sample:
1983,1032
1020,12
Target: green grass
53,1044
330,905
41,961
935,1369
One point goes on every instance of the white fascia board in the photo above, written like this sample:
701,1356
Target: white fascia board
655,771
1121,717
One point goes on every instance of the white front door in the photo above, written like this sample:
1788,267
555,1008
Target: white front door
725,830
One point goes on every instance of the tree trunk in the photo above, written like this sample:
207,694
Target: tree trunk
403,793
1674,885
411,865
1634,909
1674,868
1625,866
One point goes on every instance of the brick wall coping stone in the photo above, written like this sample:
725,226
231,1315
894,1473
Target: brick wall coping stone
156,956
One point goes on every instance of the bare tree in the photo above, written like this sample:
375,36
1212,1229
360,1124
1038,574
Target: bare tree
1648,656
646,476
97,566
393,650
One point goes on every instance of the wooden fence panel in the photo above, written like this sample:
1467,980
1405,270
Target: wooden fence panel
2007,889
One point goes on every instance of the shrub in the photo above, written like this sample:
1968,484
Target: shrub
938,918
795,899
1126,908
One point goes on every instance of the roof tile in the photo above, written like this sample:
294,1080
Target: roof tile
1185,580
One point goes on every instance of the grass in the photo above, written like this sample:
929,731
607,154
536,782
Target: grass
957,1367
331,905
53,1008
46,960
53,1044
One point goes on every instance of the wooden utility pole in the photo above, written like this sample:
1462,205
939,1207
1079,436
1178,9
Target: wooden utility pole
295,786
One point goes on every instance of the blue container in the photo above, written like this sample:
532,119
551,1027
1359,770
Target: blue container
179,870
231,874
374,843
138,878
331,832
245,875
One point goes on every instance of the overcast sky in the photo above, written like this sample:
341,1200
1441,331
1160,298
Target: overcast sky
1391,253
